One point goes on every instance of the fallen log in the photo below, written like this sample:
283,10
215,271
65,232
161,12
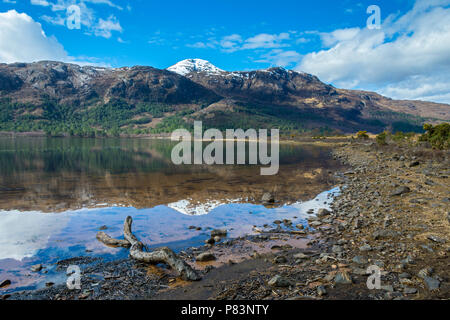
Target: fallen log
161,255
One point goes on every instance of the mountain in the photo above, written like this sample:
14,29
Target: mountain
59,98
195,65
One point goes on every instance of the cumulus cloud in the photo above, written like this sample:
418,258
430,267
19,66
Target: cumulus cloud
408,58
22,39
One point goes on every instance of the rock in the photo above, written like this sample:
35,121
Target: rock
267,198
365,247
205,256
388,288
414,164
210,241
36,268
217,239
84,295
323,212
49,284
342,277
408,290
321,291
103,228
315,223
279,281
219,233
336,249
280,259
359,271
360,260
404,275
300,256
5,283
400,190
435,238
425,272
384,234
300,226
431,283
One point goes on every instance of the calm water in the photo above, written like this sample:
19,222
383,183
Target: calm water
55,194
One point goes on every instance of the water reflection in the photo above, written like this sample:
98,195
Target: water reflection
32,237
51,174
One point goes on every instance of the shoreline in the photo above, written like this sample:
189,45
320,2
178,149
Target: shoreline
402,189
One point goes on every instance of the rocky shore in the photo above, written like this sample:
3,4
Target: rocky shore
392,215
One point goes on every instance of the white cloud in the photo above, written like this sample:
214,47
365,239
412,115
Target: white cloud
235,42
104,27
23,40
279,57
408,58
90,23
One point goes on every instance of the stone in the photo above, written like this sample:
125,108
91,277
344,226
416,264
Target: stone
205,256
414,164
400,190
323,212
321,291
431,283
384,234
388,288
103,228
365,247
342,277
5,283
425,272
360,260
435,238
280,259
336,249
408,290
219,233
267,198
279,281
300,256
36,268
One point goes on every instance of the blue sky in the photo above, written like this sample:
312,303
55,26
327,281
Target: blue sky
328,38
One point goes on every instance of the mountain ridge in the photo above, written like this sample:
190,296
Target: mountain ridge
36,96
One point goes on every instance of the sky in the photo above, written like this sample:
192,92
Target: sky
404,55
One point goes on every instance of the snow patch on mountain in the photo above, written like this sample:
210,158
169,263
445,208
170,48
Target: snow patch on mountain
195,65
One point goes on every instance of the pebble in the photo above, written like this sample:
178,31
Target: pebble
205,256
36,268
432,283
279,281
5,283
342,277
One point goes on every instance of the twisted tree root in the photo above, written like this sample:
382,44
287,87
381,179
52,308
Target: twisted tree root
161,255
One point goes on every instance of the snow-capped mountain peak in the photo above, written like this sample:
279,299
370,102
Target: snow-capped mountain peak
194,65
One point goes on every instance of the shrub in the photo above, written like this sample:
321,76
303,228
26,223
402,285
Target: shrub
362,135
438,136
381,138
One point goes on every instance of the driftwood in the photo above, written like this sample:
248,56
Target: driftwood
103,237
161,255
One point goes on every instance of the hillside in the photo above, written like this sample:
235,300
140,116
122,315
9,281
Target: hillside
65,98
